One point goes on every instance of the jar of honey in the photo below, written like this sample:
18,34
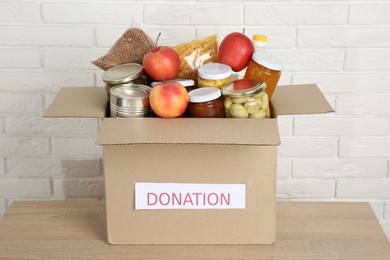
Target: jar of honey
265,67
205,102
246,98
214,75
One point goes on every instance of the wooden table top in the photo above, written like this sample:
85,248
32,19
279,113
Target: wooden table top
305,230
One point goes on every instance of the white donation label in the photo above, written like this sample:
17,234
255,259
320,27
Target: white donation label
189,196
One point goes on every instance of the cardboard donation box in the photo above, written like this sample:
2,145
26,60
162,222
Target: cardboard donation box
189,180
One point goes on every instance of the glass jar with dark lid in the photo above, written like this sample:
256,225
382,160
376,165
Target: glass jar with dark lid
124,74
246,98
205,102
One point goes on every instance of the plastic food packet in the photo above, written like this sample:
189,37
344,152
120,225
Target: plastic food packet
194,54
131,47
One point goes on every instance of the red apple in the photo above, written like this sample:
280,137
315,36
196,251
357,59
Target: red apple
236,50
161,63
169,99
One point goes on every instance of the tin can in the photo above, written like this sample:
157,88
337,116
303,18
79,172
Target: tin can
123,74
130,100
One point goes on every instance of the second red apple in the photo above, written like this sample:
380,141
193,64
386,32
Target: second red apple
161,63
236,50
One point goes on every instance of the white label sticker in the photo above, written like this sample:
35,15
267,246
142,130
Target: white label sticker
189,196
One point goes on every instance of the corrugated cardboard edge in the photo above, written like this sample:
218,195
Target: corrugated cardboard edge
300,99
93,101
89,102
216,131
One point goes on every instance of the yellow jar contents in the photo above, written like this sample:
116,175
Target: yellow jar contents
266,67
246,98
259,42
214,75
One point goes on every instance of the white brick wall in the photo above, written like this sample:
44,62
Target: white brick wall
36,81
343,46
43,167
92,13
368,13
191,14
19,58
305,189
25,188
292,14
38,35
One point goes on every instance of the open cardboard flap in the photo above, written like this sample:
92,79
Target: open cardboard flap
79,102
299,99
188,131
93,101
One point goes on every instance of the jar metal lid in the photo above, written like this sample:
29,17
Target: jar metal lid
215,71
184,82
243,87
123,73
204,94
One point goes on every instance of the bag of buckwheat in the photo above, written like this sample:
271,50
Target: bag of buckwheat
131,47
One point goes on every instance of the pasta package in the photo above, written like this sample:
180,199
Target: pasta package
194,54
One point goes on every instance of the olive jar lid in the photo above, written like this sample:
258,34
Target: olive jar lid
243,87
123,73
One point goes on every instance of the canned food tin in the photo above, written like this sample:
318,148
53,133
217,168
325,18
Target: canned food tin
122,74
130,100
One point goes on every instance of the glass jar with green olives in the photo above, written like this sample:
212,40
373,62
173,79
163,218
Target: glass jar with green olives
246,98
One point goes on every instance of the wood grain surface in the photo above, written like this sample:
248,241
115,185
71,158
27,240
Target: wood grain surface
305,230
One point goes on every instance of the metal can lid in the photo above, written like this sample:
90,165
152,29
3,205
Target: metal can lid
204,94
123,73
130,91
243,87
215,71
